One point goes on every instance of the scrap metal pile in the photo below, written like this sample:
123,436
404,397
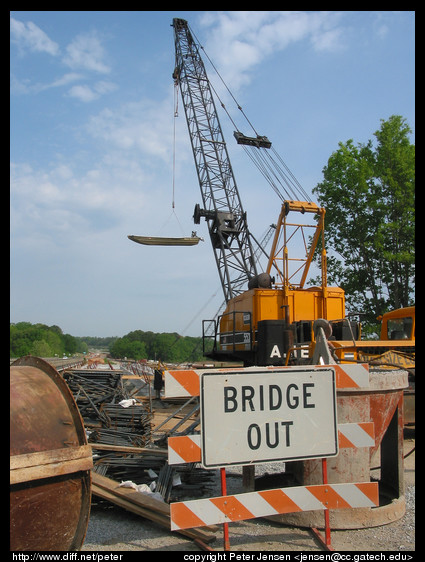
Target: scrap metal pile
98,395
119,428
124,454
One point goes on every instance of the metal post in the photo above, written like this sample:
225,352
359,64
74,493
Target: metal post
327,524
325,541
224,493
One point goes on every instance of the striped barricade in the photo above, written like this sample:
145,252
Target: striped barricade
356,435
186,382
184,449
187,448
226,509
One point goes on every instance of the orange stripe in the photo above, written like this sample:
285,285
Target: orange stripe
342,379
343,442
369,427
370,489
183,517
279,501
232,508
185,448
328,497
189,380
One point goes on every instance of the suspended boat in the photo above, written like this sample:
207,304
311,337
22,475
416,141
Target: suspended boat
166,241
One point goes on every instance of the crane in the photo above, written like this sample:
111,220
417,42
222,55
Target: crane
222,206
258,320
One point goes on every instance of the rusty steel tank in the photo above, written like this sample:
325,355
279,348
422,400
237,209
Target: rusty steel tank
50,461
382,403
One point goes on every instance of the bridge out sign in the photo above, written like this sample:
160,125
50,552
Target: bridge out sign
265,416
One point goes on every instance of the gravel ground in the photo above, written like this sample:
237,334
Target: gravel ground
113,529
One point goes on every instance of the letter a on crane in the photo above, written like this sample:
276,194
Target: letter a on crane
275,352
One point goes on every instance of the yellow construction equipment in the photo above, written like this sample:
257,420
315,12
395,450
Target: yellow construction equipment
277,312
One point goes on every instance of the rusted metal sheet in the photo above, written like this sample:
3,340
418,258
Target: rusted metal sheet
382,403
50,461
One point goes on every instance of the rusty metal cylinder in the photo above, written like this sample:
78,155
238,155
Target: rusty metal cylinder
382,403
50,461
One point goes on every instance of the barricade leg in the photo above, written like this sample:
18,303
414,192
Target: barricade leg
224,493
326,541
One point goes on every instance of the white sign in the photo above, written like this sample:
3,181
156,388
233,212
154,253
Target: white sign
267,416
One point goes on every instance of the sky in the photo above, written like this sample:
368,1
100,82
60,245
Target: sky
93,155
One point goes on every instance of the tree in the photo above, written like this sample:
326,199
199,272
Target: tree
128,347
170,347
41,348
368,193
40,340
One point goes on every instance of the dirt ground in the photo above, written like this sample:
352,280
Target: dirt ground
114,529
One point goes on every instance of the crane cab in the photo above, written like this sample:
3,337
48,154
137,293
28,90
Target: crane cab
398,324
261,324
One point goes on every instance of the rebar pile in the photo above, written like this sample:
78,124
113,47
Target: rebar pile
137,467
92,389
97,394
124,426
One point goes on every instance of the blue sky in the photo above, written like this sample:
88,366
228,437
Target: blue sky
92,118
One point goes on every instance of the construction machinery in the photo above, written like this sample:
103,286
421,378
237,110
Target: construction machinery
395,348
270,316
398,324
277,311
394,351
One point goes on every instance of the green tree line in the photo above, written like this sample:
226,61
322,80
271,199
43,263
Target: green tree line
170,347
43,341
48,341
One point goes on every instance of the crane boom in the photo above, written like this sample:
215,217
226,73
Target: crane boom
222,206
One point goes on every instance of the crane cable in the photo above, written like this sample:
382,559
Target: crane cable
226,86
277,173
173,211
176,114
274,169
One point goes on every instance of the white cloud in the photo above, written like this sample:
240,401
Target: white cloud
66,79
30,36
62,200
86,52
86,93
145,126
85,55
326,40
19,86
238,41
25,86
83,93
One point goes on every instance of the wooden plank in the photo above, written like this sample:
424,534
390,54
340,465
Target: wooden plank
129,449
130,506
49,470
129,494
46,457
141,504
46,464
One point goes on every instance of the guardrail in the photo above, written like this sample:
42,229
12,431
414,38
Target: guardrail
59,363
